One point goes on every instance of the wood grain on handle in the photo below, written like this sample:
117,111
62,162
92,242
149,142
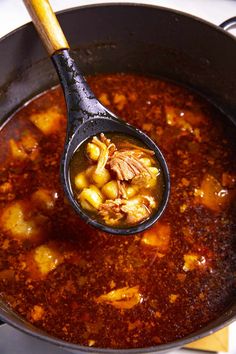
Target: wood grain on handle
47,25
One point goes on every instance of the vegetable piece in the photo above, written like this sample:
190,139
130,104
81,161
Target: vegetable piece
120,101
123,298
146,161
93,151
81,180
103,98
17,150
158,236
101,178
91,342
173,298
154,171
212,194
25,148
47,258
136,209
49,122
193,261
110,190
13,221
132,191
90,198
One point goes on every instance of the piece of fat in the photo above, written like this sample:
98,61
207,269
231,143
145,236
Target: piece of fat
14,223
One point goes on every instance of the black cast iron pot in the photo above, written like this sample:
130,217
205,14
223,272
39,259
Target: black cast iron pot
124,38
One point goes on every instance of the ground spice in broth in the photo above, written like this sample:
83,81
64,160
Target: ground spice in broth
87,287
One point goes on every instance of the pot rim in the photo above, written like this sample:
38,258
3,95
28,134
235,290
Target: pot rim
39,334
131,4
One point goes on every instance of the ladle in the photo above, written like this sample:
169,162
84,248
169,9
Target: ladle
86,115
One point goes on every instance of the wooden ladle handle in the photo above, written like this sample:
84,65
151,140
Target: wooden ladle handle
47,25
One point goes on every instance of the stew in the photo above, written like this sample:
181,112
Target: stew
117,180
87,287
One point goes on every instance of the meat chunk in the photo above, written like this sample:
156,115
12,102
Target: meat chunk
106,147
137,209
126,165
133,210
111,211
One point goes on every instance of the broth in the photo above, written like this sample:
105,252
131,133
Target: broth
87,287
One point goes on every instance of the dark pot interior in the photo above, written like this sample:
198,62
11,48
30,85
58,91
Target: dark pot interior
124,38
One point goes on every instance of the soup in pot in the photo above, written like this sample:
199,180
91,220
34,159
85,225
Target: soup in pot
91,288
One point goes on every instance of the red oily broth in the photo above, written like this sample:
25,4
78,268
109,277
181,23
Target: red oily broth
87,287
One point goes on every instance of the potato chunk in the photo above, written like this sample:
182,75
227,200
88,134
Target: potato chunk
47,258
37,313
193,261
213,195
119,100
25,148
93,151
49,122
123,298
14,222
81,180
110,190
17,150
158,236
